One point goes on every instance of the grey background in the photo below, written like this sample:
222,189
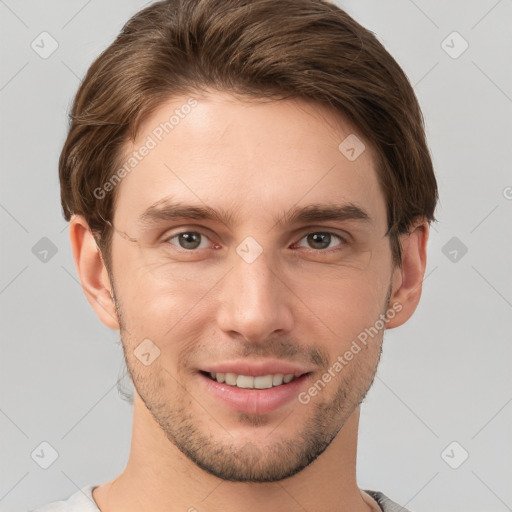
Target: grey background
445,375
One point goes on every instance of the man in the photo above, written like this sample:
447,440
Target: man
249,193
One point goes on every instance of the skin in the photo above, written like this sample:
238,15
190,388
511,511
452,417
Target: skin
294,303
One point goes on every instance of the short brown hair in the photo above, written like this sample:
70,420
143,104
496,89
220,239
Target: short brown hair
278,49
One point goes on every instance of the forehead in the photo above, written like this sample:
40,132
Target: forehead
225,153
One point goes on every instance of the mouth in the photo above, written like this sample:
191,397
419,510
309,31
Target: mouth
255,388
252,382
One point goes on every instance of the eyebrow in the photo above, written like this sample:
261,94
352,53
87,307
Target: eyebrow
165,210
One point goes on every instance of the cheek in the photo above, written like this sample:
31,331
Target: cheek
342,308
150,284
168,311
174,302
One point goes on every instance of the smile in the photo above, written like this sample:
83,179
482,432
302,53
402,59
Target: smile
249,382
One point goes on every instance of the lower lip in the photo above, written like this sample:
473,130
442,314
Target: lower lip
254,401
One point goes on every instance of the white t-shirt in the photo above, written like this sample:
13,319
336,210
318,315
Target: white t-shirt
82,501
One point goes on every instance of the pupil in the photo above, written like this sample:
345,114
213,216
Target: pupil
191,240
326,236
188,238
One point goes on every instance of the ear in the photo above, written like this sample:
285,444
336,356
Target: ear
407,279
92,271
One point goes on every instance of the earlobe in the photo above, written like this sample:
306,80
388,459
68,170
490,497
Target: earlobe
92,271
408,278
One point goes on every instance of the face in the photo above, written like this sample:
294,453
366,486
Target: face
235,307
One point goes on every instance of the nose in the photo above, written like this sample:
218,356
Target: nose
255,300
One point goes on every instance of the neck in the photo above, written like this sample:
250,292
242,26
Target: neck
158,477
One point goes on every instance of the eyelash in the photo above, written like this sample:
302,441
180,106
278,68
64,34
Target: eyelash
343,240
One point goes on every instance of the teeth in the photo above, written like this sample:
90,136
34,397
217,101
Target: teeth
243,381
277,379
248,382
231,379
263,382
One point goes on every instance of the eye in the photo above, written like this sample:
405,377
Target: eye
192,240
320,240
188,240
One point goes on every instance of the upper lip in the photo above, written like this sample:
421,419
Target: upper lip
257,368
